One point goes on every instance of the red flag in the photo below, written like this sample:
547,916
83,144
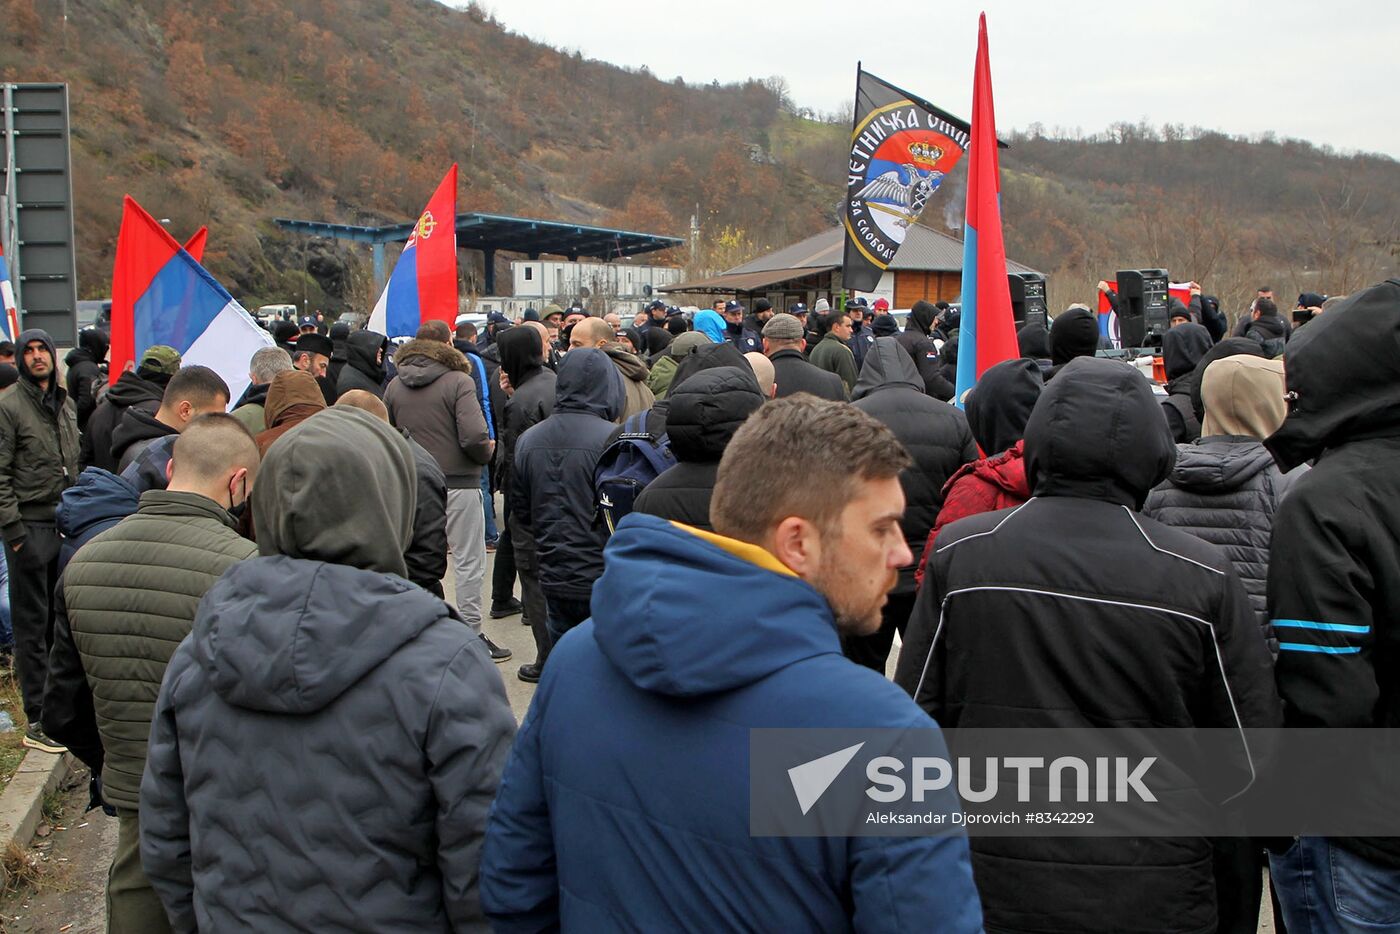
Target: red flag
437,255
195,245
143,249
986,294
423,286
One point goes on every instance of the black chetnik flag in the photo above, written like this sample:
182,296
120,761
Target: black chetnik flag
901,148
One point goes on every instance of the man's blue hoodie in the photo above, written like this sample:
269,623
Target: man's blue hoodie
625,802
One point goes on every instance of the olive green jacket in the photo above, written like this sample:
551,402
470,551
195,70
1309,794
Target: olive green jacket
130,596
832,354
38,456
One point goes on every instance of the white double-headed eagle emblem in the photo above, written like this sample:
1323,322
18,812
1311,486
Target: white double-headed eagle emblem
908,198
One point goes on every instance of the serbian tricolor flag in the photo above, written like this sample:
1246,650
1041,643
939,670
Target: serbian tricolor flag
1108,318
987,333
423,286
7,300
161,295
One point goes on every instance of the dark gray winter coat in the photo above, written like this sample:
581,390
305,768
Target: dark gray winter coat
552,483
329,738
1226,491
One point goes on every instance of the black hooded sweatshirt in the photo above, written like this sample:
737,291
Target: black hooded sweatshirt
1182,348
924,352
1033,340
1075,333
85,369
533,390
1334,568
143,391
1001,403
1123,622
339,333
702,417
935,434
137,430
1270,332
362,370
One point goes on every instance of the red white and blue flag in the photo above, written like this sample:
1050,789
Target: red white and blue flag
423,286
162,295
7,300
987,332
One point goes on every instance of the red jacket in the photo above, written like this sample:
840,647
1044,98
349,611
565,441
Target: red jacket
984,485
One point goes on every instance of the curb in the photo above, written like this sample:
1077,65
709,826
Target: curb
22,802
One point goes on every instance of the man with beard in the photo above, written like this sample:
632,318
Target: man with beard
38,461
587,833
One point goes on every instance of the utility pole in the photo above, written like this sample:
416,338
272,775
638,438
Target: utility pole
694,235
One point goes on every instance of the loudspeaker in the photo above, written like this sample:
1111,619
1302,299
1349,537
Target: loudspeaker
1143,306
1028,298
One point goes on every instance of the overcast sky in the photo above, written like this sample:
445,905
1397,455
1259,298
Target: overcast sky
1321,71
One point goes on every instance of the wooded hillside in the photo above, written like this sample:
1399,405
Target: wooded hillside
232,112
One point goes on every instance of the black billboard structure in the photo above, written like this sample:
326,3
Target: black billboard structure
36,207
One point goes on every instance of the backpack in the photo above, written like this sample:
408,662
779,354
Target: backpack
626,466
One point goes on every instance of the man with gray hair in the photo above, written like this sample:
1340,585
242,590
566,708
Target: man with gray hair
266,364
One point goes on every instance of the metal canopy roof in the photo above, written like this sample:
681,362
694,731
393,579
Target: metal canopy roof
489,232
924,249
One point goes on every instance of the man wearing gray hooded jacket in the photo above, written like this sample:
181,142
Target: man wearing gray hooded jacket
328,739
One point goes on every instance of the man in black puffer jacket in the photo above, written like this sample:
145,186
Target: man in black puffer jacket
923,351
364,364
1334,582
704,412
1123,621
552,490
937,436
1182,348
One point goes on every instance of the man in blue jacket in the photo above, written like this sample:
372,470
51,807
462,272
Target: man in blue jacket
625,801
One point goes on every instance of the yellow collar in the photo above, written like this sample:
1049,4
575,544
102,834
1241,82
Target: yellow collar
751,553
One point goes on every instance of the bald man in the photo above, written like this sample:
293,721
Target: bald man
591,332
123,604
426,554
763,371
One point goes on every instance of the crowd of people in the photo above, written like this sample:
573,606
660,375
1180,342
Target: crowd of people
232,610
